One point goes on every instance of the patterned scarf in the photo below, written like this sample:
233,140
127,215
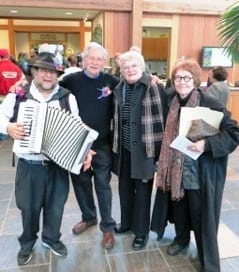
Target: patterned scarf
170,164
151,121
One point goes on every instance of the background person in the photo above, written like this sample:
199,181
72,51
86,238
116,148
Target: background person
136,144
72,67
22,61
192,189
236,84
218,87
116,66
10,73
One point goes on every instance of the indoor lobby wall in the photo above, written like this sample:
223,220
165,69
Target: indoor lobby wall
16,34
29,40
194,32
4,33
4,42
189,33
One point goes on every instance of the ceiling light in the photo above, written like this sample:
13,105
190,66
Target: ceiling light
68,13
86,17
14,11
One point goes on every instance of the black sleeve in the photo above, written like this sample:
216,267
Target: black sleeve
111,81
163,97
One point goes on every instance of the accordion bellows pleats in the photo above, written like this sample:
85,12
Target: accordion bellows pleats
57,134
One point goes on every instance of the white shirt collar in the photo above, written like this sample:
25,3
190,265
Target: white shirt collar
38,96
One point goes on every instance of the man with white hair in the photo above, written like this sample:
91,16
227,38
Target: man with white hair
93,91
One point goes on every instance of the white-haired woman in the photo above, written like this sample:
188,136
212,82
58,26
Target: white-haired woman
138,128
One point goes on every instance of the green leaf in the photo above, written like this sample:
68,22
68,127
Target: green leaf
228,31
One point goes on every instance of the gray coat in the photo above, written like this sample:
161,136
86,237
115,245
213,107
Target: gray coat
220,91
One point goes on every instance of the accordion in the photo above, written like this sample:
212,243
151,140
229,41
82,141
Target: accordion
55,133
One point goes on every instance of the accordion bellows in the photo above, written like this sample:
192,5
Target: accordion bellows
57,134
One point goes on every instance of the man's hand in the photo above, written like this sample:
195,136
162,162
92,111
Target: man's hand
16,130
88,160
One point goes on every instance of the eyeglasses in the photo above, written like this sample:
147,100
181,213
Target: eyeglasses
185,78
46,71
95,59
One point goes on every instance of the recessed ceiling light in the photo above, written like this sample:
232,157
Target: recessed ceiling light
68,13
14,11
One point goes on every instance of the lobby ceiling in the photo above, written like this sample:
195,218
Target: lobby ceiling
46,13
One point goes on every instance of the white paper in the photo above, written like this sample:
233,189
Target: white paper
181,143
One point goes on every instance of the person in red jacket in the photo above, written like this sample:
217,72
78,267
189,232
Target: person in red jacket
10,73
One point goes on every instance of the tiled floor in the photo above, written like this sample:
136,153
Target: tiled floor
85,252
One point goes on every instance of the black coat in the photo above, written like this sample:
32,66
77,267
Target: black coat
141,166
212,175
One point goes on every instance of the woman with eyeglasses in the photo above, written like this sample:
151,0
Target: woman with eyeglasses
189,192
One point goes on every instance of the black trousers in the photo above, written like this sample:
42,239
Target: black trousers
206,245
40,188
135,199
83,188
187,214
181,219
176,212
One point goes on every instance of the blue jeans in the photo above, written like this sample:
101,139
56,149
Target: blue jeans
83,188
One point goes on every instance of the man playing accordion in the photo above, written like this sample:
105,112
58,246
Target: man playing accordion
41,185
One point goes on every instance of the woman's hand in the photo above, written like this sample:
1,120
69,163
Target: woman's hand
198,146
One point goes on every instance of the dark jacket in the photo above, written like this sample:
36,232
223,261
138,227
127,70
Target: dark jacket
141,166
95,106
212,174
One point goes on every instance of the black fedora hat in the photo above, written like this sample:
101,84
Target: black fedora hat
48,61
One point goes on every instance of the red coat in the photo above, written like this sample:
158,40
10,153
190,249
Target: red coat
10,73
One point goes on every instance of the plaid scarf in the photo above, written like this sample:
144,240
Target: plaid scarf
151,120
171,161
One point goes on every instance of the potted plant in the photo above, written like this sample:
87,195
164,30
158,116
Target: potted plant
228,31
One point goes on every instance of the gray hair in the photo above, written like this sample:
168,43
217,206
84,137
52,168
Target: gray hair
132,56
96,46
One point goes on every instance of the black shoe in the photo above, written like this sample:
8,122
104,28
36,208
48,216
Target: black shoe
24,256
119,230
140,242
58,248
175,248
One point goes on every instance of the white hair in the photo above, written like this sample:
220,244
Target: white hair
95,46
132,56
